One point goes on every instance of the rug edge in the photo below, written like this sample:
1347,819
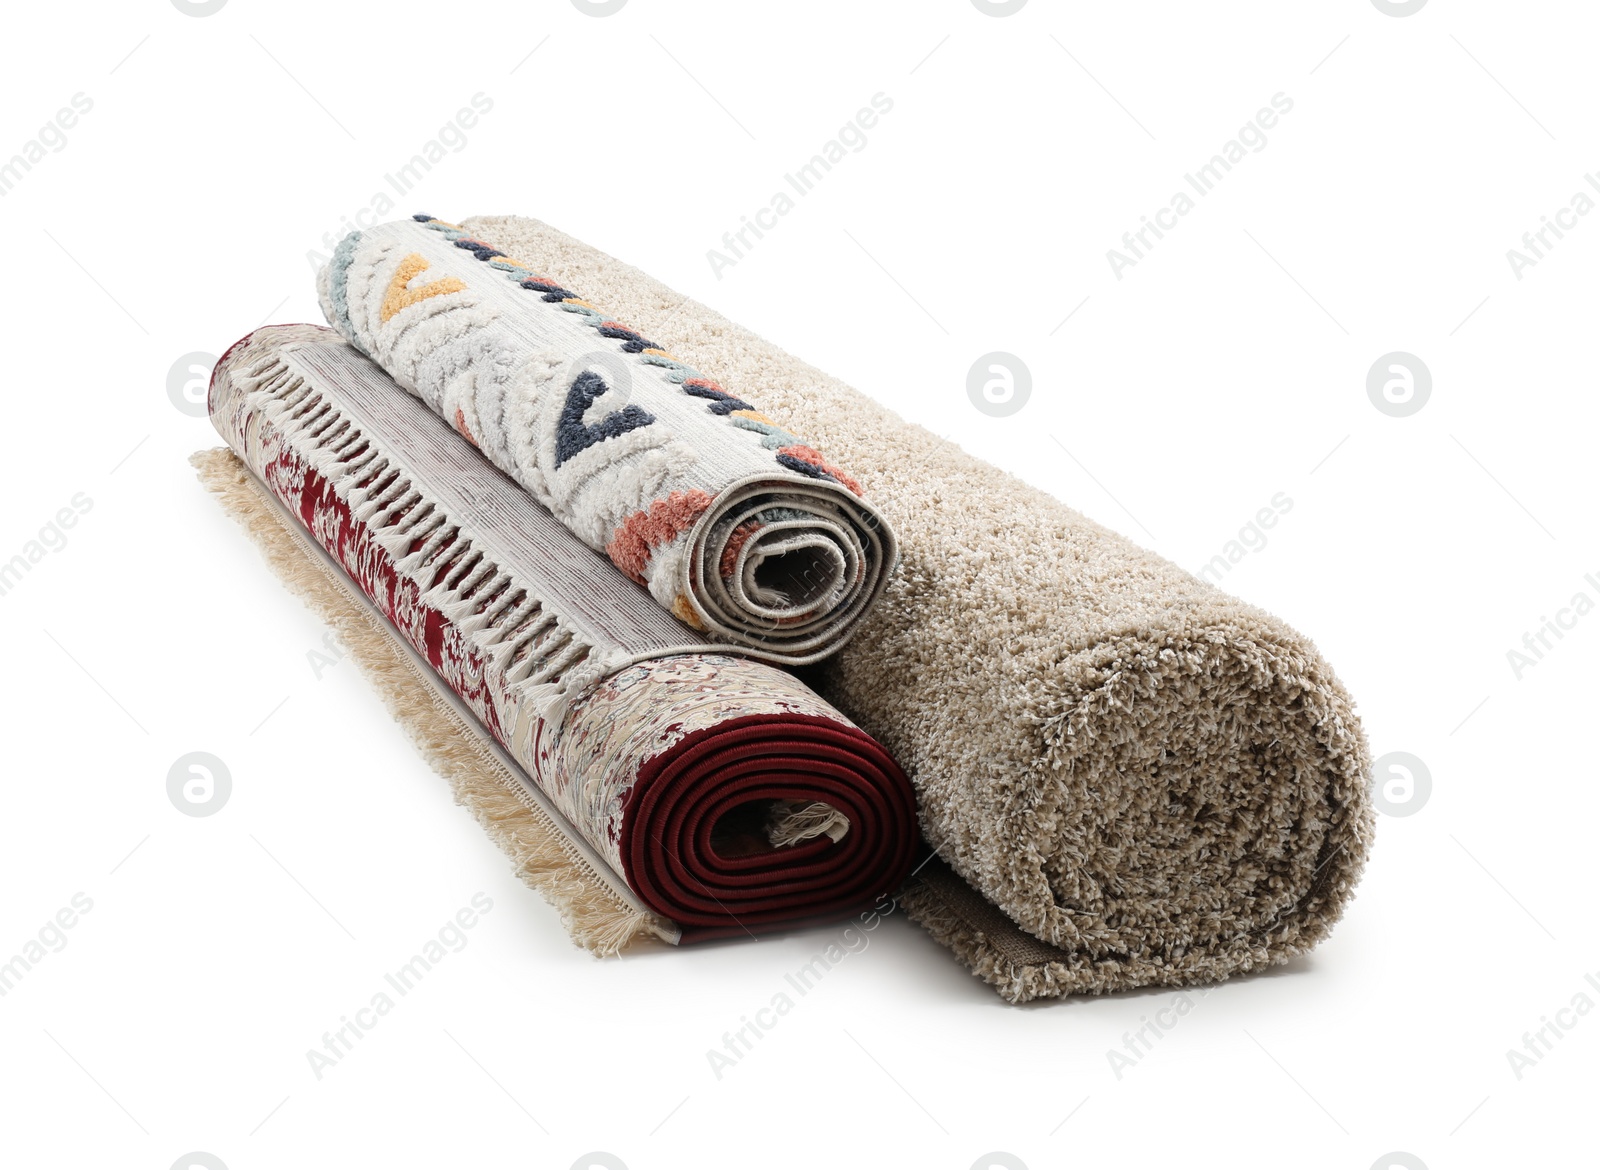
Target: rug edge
595,918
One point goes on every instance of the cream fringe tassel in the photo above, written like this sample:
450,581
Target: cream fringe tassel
595,916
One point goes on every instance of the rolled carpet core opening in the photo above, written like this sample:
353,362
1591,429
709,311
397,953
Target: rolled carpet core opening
785,565
791,575
761,825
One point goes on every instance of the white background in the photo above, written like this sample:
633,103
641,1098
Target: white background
1228,365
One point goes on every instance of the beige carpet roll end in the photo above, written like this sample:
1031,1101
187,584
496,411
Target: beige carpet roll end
1154,784
1198,808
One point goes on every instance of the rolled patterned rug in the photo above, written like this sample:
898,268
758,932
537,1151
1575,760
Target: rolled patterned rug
737,526
1130,778
648,781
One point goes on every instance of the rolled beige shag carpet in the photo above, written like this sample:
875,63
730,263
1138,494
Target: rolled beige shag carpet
1129,777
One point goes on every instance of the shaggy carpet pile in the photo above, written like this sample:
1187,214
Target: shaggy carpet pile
1130,777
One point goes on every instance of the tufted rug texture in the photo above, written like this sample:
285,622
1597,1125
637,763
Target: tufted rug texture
1130,778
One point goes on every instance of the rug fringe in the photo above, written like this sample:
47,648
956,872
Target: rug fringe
596,918
790,822
545,662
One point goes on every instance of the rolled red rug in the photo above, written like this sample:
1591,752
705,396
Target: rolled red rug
697,835
714,794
